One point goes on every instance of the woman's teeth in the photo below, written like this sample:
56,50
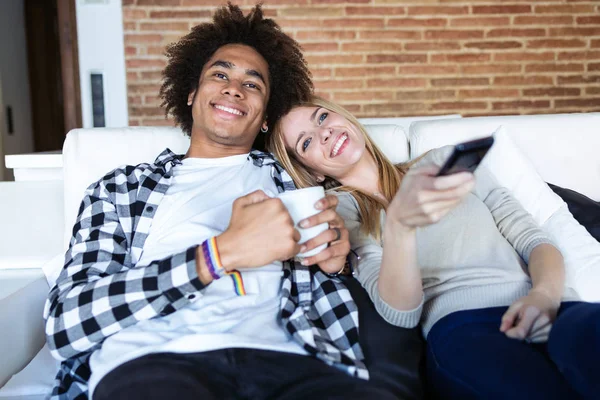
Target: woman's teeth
338,145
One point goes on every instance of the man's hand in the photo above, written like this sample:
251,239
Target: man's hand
260,231
424,199
530,318
333,258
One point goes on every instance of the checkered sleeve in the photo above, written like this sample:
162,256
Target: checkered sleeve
99,291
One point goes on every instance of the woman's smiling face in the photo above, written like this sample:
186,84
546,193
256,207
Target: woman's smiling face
324,141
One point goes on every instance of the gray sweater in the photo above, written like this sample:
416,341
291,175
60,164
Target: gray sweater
475,257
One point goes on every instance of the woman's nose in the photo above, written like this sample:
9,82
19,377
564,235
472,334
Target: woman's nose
325,134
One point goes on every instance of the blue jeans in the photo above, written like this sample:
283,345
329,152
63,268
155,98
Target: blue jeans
469,358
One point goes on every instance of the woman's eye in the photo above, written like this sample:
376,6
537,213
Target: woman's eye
305,144
323,117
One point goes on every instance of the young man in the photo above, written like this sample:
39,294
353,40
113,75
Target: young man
175,284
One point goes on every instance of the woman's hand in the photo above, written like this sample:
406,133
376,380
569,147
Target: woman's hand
333,258
424,199
530,318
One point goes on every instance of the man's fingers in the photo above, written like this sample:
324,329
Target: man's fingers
252,198
523,327
510,316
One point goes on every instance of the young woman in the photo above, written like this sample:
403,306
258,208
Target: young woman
457,254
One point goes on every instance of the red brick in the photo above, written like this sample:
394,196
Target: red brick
134,100
337,59
177,14
488,93
394,109
543,20
555,43
389,34
554,68
310,12
299,23
133,13
428,69
508,44
341,84
595,43
517,104
325,35
526,56
369,96
324,94
437,10
146,63
460,82
364,71
564,9
432,46
142,111
461,57
164,26
593,67
579,55
161,3
397,58
490,69
398,82
591,20
143,88
424,94
339,1
416,22
371,47
504,9
151,75
480,21
354,22
591,31
321,73
523,80
327,47
592,90
552,91
454,34
460,105
130,50
578,79
159,121
591,102
371,10
494,33
143,39
132,76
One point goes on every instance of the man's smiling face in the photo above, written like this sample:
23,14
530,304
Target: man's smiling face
229,106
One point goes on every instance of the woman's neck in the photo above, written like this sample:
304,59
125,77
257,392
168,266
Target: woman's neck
364,175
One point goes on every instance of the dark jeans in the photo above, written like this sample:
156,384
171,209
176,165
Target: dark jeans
232,374
469,358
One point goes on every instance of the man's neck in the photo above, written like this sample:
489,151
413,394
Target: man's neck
204,149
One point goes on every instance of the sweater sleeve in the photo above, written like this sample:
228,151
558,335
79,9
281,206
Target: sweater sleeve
370,254
512,220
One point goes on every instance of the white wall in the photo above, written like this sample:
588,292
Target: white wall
101,49
15,79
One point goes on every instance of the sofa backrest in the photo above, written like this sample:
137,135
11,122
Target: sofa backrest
88,154
563,148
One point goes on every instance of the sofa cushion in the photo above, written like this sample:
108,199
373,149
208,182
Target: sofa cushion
585,210
514,171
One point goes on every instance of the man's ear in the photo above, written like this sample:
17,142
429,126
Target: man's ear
191,98
265,127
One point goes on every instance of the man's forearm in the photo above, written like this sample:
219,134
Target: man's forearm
547,271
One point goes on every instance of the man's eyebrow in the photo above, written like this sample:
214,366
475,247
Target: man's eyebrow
312,118
230,65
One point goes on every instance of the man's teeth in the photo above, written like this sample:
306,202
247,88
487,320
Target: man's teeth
339,144
229,110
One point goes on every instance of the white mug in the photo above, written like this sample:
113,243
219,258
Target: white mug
300,204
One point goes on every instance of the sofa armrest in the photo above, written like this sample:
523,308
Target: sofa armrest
21,327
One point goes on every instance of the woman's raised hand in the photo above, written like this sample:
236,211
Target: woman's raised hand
424,198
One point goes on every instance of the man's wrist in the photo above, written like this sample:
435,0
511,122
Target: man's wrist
227,251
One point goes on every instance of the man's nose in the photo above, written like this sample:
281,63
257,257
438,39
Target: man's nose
233,88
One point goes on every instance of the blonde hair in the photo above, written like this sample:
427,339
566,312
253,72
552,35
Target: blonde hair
370,206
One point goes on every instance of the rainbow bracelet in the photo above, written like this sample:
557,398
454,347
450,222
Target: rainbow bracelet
215,267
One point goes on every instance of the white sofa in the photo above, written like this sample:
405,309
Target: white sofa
561,148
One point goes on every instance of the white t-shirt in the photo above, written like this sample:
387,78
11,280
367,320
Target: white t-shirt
197,206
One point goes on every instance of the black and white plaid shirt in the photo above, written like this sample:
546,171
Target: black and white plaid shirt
101,291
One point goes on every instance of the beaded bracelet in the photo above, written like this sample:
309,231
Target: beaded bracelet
216,269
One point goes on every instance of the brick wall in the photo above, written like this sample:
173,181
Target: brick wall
411,57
